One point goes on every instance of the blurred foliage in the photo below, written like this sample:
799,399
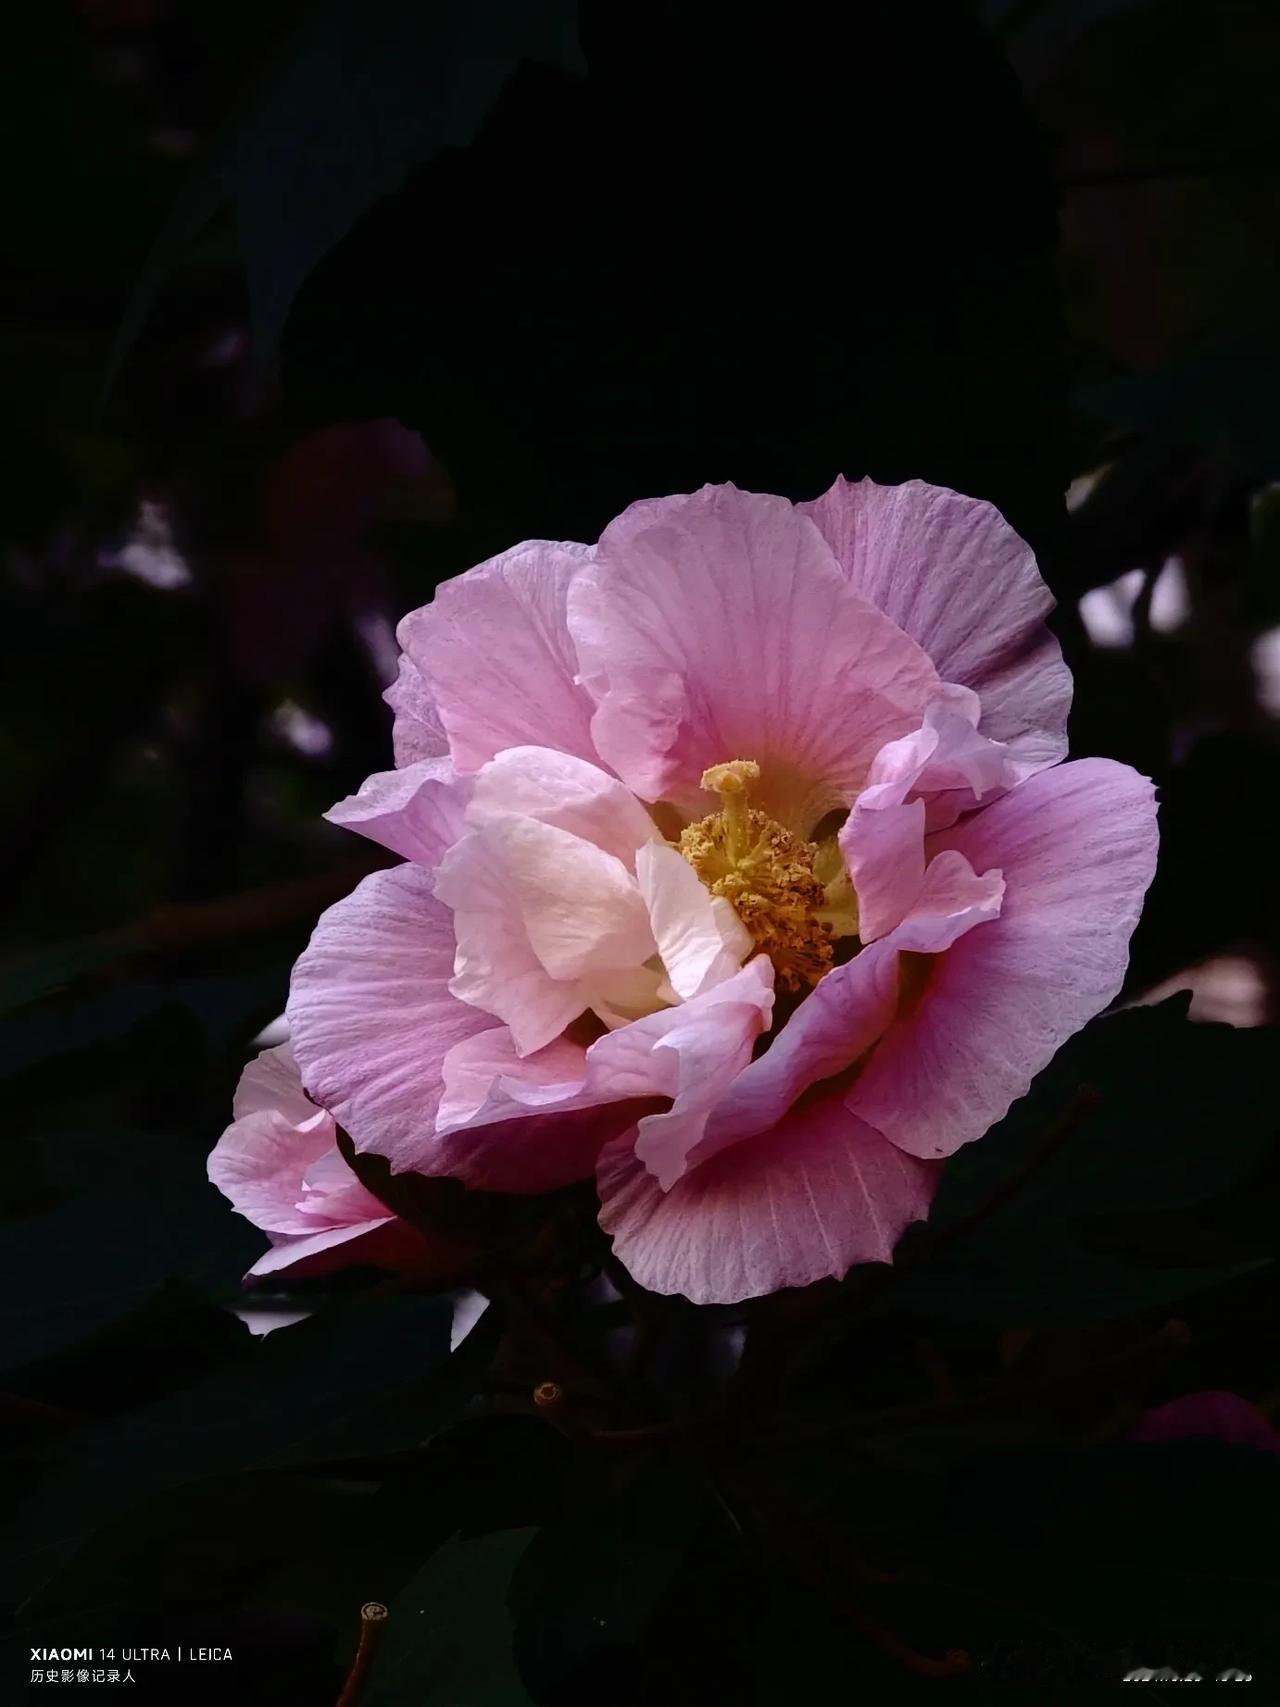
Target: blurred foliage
1008,247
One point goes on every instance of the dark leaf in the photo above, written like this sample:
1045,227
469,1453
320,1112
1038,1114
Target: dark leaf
1143,1111
1138,1554
691,349
327,1388
448,1639
365,91
140,1212
593,1578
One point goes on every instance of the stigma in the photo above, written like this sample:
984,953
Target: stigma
766,874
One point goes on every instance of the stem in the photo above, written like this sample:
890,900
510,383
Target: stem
373,1618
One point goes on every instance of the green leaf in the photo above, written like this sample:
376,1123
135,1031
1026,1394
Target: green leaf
335,1386
1143,1111
594,1578
365,91
448,1639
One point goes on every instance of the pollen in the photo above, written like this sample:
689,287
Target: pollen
765,873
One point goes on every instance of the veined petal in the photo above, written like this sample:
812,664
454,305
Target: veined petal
700,938
920,782
1077,847
718,626
568,793
416,811
416,729
692,1054
538,912
801,1203
371,1015
951,571
496,659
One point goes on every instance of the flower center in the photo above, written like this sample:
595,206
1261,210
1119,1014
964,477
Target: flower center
765,873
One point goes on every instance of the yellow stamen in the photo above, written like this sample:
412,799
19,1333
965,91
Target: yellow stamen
765,872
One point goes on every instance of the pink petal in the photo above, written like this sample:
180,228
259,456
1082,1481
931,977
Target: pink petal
847,1011
369,1242
952,900
417,811
416,731
946,761
486,1079
523,1123
538,912
922,781
690,1053
371,1016
883,846
494,653
801,1203
719,626
1077,846
701,939
953,573
566,792
1211,1415
271,1082
258,1164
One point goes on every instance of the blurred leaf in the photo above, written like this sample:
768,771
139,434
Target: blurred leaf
933,350
37,975
448,1639
593,1578
218,1009
365,91
317,1390
1219,397
82,189
1177,1113
141,1213
1167,1551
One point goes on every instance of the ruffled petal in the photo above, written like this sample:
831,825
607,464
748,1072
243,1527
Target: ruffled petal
701,939
801,1203
523,1123
567,792
416,729
1077,847
258,1164
831,1029
918,783
374,1242
493,653
690,1053
416,811
271,1082
371,1016
951,571
538,914
718,626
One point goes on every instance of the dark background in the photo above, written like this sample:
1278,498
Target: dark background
308,307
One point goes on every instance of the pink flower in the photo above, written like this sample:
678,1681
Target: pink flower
740,872
278,1163
1208,1416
